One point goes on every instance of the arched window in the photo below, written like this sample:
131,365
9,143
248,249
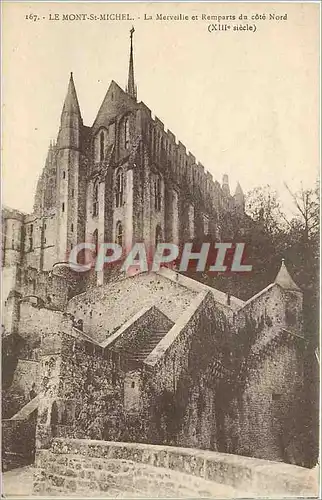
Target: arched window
126,133
95,240
100,143
119,234
102,146
157,193
54,419
95,199
119,185
158,235
31,231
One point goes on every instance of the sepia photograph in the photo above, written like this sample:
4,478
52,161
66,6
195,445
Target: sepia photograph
160,250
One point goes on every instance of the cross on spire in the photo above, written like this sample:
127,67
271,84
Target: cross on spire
131,88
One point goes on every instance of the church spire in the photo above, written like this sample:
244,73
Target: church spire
71,105
71,119
131,88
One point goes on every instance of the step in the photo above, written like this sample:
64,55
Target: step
27,410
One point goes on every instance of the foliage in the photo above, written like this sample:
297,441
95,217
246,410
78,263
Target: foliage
270,235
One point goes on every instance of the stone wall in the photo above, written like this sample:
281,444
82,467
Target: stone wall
81,391
272,309
35,322
181,405
92,468
103,310
266,420
26,374
18,441
51,287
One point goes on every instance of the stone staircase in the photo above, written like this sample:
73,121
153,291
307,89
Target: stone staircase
27,410
142,350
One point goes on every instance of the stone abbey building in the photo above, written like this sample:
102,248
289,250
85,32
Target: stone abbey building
155,357
124,180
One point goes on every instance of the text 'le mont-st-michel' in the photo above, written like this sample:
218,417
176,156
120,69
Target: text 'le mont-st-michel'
162,17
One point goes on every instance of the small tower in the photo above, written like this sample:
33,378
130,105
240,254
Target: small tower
293,299
70,212
239,198
131,87
225,185
71,120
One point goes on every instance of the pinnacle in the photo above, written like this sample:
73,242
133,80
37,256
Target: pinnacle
284,279
71,105
238,189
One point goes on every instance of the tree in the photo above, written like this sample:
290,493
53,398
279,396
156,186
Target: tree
264,207
306,202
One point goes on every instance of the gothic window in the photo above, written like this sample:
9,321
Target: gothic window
100,143
126,133
119,187
158,235
119,234
205,224
64,174
31,230
157,193
54,419
95,240
102,146
95,199
63,207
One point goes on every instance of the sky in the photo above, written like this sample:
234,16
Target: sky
244,103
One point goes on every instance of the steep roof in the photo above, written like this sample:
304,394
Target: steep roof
115,103
284,279
71,105
238,190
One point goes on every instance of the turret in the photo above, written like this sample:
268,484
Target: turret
70,209
71,120
225,185
293,299
239,198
